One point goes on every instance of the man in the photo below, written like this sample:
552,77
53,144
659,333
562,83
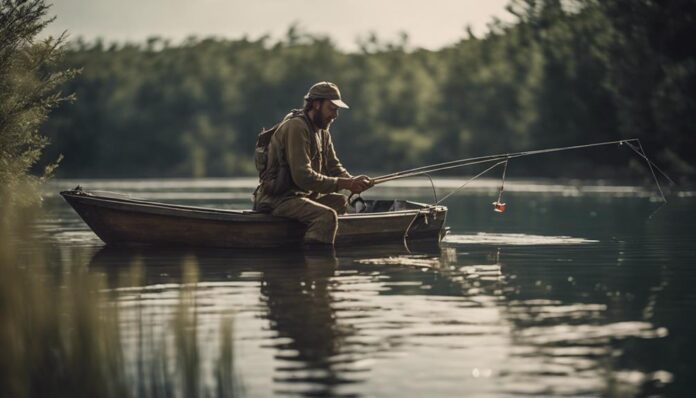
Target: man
303,172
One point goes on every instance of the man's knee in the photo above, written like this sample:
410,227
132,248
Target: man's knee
322,220
305,211
335,201
326,215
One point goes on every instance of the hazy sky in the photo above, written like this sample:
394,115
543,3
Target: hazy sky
429,23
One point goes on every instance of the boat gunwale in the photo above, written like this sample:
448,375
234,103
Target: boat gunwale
185,211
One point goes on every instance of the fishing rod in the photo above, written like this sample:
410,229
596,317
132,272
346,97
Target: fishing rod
633,143
492,158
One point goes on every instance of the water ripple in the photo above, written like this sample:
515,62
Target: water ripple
483,238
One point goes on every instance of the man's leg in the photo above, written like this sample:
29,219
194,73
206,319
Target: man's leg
321,220
335,201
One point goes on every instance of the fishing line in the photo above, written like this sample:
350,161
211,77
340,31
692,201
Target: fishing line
488,158
358,197
390,177
640,152
498,205
645,156
468,181
505,158
432,184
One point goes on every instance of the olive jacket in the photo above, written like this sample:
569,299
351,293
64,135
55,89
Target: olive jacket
309,154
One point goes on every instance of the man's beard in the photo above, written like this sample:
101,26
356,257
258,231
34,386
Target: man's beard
321,121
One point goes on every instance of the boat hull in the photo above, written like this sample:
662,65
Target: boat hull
123,221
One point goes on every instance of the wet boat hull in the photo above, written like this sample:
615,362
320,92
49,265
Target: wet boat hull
119,220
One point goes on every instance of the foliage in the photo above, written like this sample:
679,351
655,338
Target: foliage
29,89
63,333
653,74
564,73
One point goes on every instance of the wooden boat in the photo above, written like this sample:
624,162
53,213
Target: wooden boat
121,220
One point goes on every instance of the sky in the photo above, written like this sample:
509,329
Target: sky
430,24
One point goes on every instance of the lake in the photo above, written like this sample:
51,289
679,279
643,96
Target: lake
576,289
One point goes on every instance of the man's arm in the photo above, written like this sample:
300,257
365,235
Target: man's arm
346,180
334,166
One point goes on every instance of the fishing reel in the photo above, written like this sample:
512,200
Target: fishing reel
357,202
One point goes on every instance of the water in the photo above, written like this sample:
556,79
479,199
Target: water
574,290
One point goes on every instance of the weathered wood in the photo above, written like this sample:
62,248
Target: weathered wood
119,220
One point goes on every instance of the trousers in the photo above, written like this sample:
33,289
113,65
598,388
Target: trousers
319,215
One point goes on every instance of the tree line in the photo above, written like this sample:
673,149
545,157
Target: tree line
563,73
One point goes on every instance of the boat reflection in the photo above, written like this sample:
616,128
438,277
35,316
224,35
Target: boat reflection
163,264
312,346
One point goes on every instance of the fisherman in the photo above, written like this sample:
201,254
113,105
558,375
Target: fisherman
303,174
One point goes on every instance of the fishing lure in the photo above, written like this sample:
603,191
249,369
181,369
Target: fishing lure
498,206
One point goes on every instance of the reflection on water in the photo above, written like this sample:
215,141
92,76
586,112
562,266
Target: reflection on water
562,295
353,322
483,238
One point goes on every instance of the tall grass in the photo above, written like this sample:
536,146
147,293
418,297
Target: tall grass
61,331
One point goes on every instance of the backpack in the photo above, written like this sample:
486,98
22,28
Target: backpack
278,182
261,152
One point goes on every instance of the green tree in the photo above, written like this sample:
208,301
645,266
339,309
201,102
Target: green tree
652,66
562,73
29,89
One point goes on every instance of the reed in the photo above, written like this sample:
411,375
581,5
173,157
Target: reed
61,330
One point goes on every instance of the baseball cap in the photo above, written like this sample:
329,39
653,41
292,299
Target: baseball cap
326,90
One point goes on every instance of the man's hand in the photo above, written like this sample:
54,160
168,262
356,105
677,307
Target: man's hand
355,184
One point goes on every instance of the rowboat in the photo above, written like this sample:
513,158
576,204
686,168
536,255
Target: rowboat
122,220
